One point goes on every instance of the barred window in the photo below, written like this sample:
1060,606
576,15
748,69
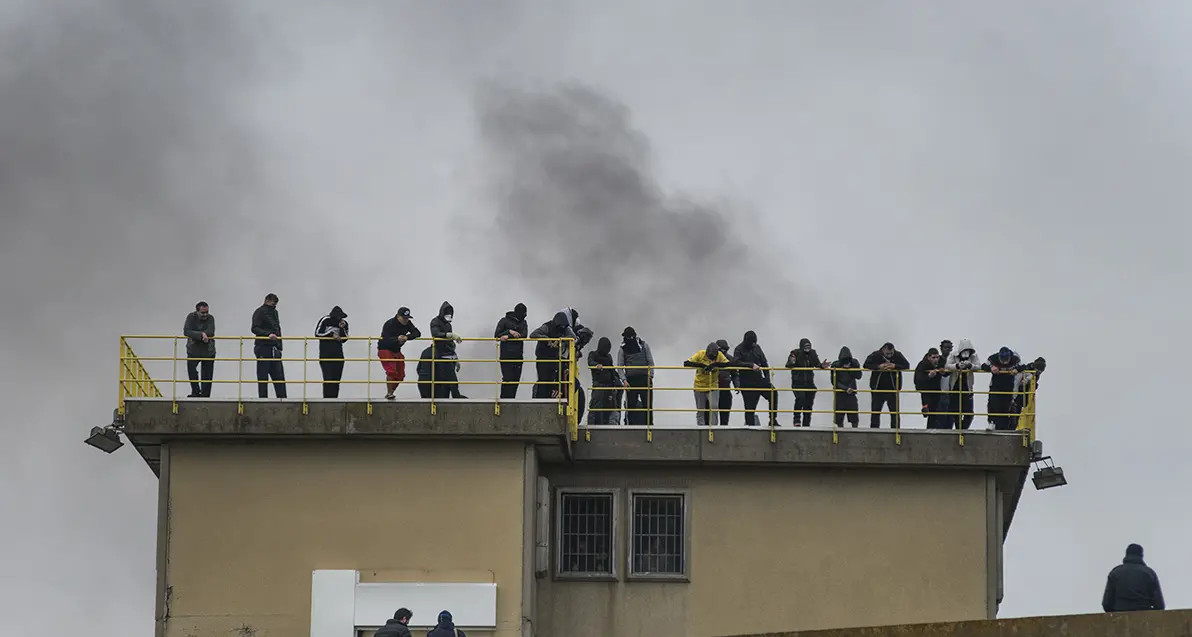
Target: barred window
586,534
658,535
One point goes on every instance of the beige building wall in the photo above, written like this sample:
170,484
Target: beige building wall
791,549
248,523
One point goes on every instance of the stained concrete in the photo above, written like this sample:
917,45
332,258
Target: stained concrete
1172,623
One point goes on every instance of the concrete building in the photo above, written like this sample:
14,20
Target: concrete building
322,517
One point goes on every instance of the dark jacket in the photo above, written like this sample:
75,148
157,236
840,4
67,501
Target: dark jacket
1002,382
558,327
512,350
728,377
393,329
327,329
423,369
925,382
440,327
1132,585
607,377
392,628
747,354
890,379
265,321
634,352
843,379
193,329
801,379
445,627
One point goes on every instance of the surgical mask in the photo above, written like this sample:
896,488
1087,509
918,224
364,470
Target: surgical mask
447,317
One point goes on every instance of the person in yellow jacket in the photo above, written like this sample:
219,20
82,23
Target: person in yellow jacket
707,363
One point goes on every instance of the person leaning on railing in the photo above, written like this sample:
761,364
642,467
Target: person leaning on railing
511,329
727,379
266,324
394,333
446,359
332,331
605,381
885,381
1005,366
801,362
960,383
199,330
635,355
756,383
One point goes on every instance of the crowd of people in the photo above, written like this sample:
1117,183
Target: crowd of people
623,384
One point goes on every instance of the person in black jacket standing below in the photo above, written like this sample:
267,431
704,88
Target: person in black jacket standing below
885,379
604,377
199,330
394,333
1132,585
755,384
729,378
332,331
267,326
398,626
446,360
928,382
800,363
511,329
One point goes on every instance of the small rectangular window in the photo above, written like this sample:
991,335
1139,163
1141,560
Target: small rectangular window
659,535
585,534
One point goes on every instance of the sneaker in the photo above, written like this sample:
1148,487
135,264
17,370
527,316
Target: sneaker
389,396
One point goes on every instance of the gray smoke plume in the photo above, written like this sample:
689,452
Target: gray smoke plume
575,189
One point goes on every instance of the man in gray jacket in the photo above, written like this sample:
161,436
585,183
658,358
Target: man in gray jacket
199,330
635,352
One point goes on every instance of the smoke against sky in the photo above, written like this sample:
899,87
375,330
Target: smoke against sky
1013,175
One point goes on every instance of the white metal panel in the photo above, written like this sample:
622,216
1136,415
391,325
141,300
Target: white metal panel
471,605
333,603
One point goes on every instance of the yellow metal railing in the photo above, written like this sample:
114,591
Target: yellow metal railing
134,378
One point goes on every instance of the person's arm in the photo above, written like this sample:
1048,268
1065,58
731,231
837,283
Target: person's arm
436,329
258,323
900,362
855,364
539,332
1107,599
414,333
1157,602
790,359
649,359
190,328
873,361
211,324
695,362
501,330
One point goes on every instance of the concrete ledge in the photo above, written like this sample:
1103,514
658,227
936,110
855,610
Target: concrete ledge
1172,623
918,448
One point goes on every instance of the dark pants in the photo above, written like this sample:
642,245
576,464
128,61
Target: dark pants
934,406
726,403
881,399
639,396
193,365
602,398
268,367
446,380
962,402
333,372
845,404
1001,404
424,386
751,395
548,380
804,400
510,375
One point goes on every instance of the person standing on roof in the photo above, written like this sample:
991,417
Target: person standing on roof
755,380
885,380
846,371
637,367
605,382
398,626
511,329
707,363
332,331
960,364
446,360
446,627
394,333
425,370
927,383
199,330
266,325
549,356
802,362
1005,366
1132,585
1026,383
728,378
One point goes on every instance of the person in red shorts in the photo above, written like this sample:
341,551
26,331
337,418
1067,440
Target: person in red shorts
394,334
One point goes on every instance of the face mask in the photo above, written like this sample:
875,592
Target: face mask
448,318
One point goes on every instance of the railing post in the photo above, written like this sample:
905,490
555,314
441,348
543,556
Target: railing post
305,355
434,357
500,386
572,395
121,389
240,377
368,384
174,379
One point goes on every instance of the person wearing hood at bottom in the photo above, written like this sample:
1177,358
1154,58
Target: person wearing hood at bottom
425,370
729,378
846,371
332,331
707,363
1132,585
511,329
605,383
445,627
927,383
1004,366
755,382
446,359
800,362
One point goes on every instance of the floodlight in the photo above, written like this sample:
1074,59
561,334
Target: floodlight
106,439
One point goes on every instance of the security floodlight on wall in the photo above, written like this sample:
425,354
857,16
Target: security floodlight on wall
106,439
1047,475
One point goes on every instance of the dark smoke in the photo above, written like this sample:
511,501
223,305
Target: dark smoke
576,192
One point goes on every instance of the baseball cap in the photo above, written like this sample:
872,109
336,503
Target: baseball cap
404,312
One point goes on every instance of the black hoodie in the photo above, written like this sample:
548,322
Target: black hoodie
393,329
607,377
327,329
798,360
886,379
749,353
1132,585
513,350
440,327
845,380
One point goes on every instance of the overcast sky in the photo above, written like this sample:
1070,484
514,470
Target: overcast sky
851,172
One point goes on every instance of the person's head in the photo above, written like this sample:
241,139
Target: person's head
604,346
846,354
403,315
1134,550
933,356
750,338
945,347
446,311
1040,364
805,344
1004,354
403,616
888,350
722,344
271,299
629,333
202,309
519,311
338,313
712,351
444,618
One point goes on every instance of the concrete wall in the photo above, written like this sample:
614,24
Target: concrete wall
776,548
248,522
1177,623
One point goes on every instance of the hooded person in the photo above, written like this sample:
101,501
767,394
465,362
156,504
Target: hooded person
445,627
425,370
707,363
636,362
927,383
605,382
802,362
885,380
1004,367
552,356
845,371
1132,585
398,626
332,331
443,347
755,381
511,329
960,363
728,379
395,332
1026,382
